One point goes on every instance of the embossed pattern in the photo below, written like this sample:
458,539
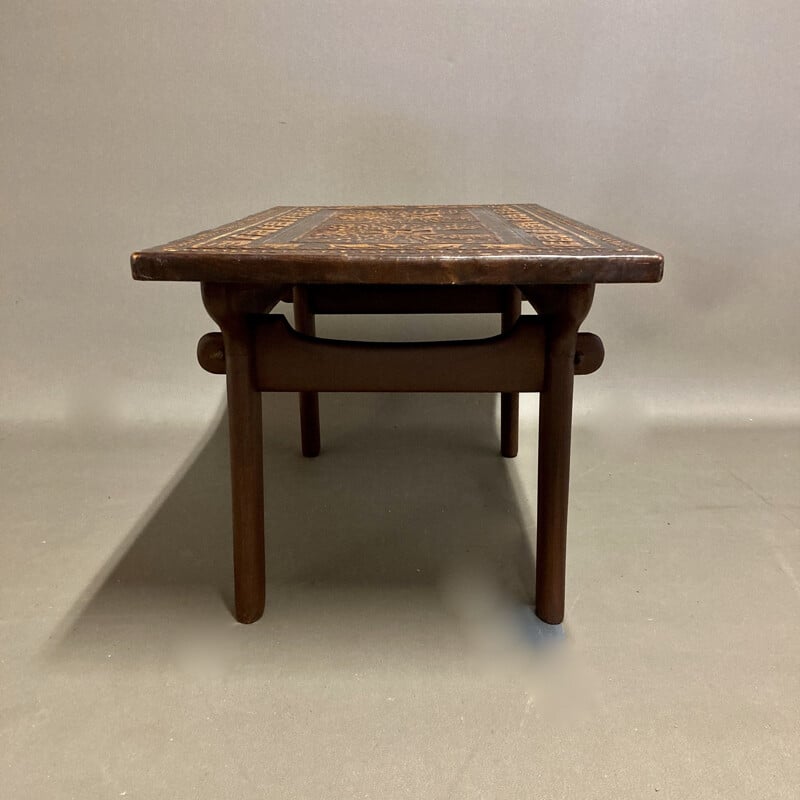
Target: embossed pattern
459,228
463,240
449,227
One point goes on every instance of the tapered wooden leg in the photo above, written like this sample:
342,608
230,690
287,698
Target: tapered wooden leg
247,480
509,401
555,427
309,401
565,307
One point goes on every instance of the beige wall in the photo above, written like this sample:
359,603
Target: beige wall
127,124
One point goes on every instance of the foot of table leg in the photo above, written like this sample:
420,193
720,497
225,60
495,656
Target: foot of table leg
565,308
246,457
309,401
509,424
509,401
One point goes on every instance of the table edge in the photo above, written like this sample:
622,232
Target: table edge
154,265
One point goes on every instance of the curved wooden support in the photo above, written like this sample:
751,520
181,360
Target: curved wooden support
261,352
228,303
211,354
569,302
288,361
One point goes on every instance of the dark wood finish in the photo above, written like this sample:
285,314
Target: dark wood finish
499,244
244,424
359,299
589,354
509,401
309,401
211,353
400,259
286,362
563,308
355,299
237,300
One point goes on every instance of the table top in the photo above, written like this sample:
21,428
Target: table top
466,244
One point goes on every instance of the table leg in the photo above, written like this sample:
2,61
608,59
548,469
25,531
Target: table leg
246,454
247,480
509,401
309,401
564,307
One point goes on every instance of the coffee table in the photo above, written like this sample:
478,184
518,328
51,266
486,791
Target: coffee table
399,259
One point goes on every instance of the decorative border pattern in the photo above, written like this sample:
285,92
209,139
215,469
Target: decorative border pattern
406,230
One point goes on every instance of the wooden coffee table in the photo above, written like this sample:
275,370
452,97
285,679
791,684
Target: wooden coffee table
399,259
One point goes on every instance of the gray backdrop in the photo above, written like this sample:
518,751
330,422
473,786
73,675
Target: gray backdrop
399,656
672,124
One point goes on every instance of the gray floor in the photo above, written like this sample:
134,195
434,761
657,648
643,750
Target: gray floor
398,657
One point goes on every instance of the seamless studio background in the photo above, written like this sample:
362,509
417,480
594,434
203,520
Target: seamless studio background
125,125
